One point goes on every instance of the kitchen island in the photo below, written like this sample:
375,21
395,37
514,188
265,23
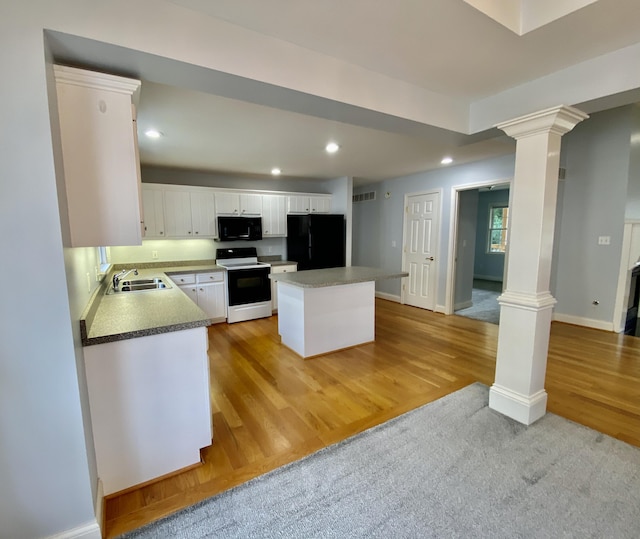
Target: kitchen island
324,310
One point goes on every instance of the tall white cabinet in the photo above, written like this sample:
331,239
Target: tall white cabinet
100,158
274,215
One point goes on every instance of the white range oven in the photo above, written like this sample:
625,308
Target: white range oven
248,284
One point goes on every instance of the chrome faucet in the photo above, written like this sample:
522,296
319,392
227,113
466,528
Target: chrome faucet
118,276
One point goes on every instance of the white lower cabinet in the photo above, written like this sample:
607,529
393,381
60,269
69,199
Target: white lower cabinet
286,268
208,290
150,405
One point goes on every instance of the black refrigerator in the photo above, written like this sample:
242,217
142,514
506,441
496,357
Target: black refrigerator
316,241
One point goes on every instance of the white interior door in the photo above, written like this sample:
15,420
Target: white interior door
421,225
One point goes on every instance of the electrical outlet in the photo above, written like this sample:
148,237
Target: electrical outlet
604,240
154,254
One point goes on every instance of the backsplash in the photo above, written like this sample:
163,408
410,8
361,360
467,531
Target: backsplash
154,251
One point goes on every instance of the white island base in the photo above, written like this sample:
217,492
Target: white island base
314,321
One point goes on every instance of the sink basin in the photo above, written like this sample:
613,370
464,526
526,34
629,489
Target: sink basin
136,282
143,286
139,285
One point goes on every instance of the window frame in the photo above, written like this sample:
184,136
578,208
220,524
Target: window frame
491,229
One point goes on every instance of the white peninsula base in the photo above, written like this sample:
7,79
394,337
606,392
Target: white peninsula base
150,407
314,321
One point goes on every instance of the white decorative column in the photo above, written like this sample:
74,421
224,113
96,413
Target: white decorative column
526,304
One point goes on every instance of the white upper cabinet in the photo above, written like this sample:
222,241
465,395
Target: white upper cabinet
238,204
99,156
153,207
309,204
320,204
203,214
189,212
274,215
177,214
298,204
228,203
250,204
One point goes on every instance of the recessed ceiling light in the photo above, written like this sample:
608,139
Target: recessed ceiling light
276,171
152,133
332,147
446,160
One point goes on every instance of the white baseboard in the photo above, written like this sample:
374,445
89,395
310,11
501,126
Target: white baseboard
90,530
388,297
462,305
440,309
581,321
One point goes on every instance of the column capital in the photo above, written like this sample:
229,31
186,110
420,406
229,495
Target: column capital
558,120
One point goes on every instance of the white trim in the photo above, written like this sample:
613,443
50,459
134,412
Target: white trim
620,306
453,235
100,503
96,80
440,309
89,530
389,297
582,321
525,409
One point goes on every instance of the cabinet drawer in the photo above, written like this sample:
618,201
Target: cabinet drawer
183,278
213,277
283,269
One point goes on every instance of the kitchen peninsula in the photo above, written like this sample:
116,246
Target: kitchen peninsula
147,372
324,310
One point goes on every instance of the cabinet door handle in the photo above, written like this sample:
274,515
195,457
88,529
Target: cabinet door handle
201,290
161,233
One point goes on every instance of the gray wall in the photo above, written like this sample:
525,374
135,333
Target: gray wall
210,179
594,198
488,265
45,480
380,222
592,202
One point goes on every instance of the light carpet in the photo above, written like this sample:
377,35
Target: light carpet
484,299
452,468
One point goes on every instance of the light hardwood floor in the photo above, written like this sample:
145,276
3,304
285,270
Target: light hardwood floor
270,407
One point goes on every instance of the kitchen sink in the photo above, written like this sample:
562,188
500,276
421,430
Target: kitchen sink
138,285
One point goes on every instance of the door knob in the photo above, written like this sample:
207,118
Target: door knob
430,258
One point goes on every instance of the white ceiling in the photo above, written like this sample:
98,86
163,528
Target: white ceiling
443,46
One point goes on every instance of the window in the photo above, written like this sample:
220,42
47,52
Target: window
498,224
103,257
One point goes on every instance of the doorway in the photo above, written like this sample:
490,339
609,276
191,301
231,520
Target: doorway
478,250
420,249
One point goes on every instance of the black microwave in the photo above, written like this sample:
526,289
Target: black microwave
239,228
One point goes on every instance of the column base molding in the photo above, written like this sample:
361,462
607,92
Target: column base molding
530,302
525,409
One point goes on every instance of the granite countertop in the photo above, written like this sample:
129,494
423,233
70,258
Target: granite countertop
127,315
336,276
